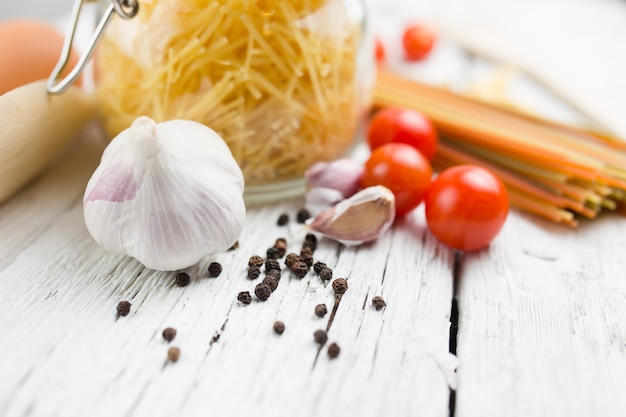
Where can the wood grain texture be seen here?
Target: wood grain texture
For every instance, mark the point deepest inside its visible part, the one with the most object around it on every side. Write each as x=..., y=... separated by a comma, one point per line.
x=542, y=312
x=63, y=350
x=542, y=322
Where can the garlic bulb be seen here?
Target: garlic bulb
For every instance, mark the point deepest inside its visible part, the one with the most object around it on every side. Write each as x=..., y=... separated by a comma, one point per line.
x=167, y=194
x=361, y=218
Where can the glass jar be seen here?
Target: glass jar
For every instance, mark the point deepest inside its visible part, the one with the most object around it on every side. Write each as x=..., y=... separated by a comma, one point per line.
x=285, y=82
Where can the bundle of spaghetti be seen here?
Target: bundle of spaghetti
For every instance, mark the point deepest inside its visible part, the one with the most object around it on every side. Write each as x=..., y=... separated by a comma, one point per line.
x=555, y=171
x=269, y=76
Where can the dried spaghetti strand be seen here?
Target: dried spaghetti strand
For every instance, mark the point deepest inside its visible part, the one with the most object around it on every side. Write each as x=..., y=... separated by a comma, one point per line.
x=550, y=169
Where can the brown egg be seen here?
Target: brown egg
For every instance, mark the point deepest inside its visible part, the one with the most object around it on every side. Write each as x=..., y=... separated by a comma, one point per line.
x=29, y=51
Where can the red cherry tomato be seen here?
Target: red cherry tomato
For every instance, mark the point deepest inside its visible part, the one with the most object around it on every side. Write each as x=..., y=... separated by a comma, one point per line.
x=418, y=41
x=379, y=50
x=466, y=207
x=402, y=169
x=394, y=124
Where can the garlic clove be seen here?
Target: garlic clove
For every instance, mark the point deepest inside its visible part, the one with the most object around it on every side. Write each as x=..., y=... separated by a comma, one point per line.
x=319, y=199
x=167, y=194
x=361, y=218
x=343, y=175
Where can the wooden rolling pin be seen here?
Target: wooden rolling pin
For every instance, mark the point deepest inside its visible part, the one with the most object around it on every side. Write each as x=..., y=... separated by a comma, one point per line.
x=34, y=128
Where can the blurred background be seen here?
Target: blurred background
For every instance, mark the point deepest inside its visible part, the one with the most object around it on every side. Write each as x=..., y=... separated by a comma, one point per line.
x=572, y=49
x=34, y=8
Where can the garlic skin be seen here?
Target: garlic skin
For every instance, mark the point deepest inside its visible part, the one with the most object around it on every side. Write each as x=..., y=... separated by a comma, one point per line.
x=343, y=175
x=361, y=218
x=167, y=194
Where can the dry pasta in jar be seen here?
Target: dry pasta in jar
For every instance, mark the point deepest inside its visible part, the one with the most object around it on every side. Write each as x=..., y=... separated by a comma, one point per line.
x=284, y=82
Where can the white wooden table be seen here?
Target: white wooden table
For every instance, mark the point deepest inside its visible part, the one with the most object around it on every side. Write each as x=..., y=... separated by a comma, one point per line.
x=536, y=323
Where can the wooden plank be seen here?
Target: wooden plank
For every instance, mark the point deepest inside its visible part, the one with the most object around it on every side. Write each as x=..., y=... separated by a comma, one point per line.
x=64, y=352
x=56, y=190
x=541, y=324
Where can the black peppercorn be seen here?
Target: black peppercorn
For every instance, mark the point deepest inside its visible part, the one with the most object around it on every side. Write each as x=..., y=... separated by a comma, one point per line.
x=306, y=251
x=274, y=273
x=169, y=334
x=291, y=260
x=283, y=219
x=254, y=272
x=310, y=241
x=262, y=291
x=320, y=337
x=215, y=269
x=300, y=269
x=321, y=310
x=173, y=354
x=378, y=302
x=271, y=281
x=272, y=253
x=303, y=215
x=333, y=350
x=244, y=297
x=123, y=308
x=326, y=274
x=318, y=266
x=234, y=246
x=256, y=260
x=307, y=259
x=272, y=264
x=182, y=279
x=279, y=327
x=281, y=246
x=340, y=286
